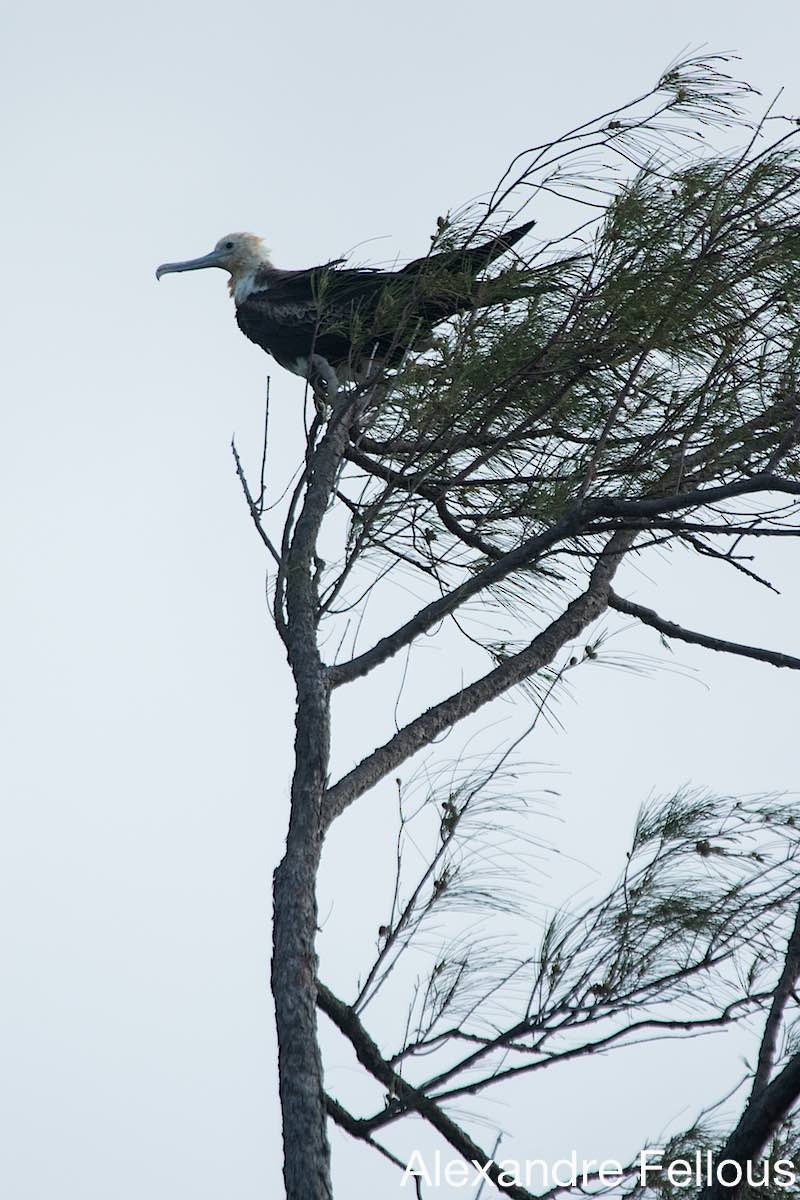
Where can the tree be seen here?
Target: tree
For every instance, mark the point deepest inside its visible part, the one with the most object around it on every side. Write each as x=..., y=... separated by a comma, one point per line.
x=627, y=387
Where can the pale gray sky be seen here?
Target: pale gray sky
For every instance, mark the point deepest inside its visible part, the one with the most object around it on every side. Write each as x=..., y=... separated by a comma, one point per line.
x=146, y=709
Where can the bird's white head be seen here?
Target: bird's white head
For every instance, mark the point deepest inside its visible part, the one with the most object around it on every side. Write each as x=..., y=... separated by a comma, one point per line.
x=240, y=254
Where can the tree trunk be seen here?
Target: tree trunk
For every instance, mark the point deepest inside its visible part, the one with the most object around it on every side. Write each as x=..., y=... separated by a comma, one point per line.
x=294, y=961
x=306, y=1152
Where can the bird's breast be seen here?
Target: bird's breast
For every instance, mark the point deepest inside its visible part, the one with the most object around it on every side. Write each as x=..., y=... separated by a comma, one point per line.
x=244, y=285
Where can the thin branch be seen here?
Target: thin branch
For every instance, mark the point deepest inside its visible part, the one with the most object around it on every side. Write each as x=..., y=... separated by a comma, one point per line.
x=255, y=513
x=576, y=519
x=432, y=613
x=617, y=1039
x=352, y=1125
x=669, y=628
x=263, y=477
x=513, y=670
x=725, y=556
x=370, y=1057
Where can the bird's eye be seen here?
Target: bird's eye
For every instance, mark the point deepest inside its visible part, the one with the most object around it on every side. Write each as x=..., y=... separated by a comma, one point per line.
x=229, y=245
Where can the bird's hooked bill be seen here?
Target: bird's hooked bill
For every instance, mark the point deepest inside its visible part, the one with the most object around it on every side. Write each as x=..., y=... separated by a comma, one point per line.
x=213, y=259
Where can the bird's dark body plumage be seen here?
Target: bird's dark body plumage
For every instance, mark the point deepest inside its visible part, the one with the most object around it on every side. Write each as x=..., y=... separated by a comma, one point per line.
x=349, y=316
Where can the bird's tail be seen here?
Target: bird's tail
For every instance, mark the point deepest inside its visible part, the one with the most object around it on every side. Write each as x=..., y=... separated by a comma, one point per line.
x=481, y=256
x=468, y=260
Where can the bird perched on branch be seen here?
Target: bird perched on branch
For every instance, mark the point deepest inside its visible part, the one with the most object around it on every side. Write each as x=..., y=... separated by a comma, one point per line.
x=331, y=324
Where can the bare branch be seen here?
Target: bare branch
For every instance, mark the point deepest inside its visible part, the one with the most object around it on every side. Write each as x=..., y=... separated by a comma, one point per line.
x=411, y=1099
x=354, y=1127
x=576, y=617
x=432, y=613
x=671, y=630
x=577, y=519
x=255, y=512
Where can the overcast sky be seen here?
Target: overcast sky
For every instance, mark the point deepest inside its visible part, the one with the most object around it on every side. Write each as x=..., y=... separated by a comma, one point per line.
x=146, y=707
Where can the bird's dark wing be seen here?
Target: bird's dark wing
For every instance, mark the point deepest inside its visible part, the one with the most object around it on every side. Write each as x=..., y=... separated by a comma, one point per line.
x=319, y=287
x=320, y=310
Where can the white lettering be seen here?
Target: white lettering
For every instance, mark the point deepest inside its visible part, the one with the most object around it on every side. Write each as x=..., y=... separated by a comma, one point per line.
x=680, y=1167
x=587, y=1166
x=418, y=1171
x=456, y=1173
x=645, y=1165
x=509, y=1172
x=788, y=1176
x=729, y=1162
x=750, y=1172
x=481, y=1172
x=435, y=1171
x=536, y=1164
x=572, y=1164
x=609, y=1171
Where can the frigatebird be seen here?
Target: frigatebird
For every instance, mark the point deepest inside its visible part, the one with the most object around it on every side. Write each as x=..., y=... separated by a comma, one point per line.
x=332, y=324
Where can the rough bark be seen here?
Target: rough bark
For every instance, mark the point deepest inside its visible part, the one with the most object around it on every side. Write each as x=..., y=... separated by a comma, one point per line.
x=786, y=985
x=294, y=961
x=760, y=1120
